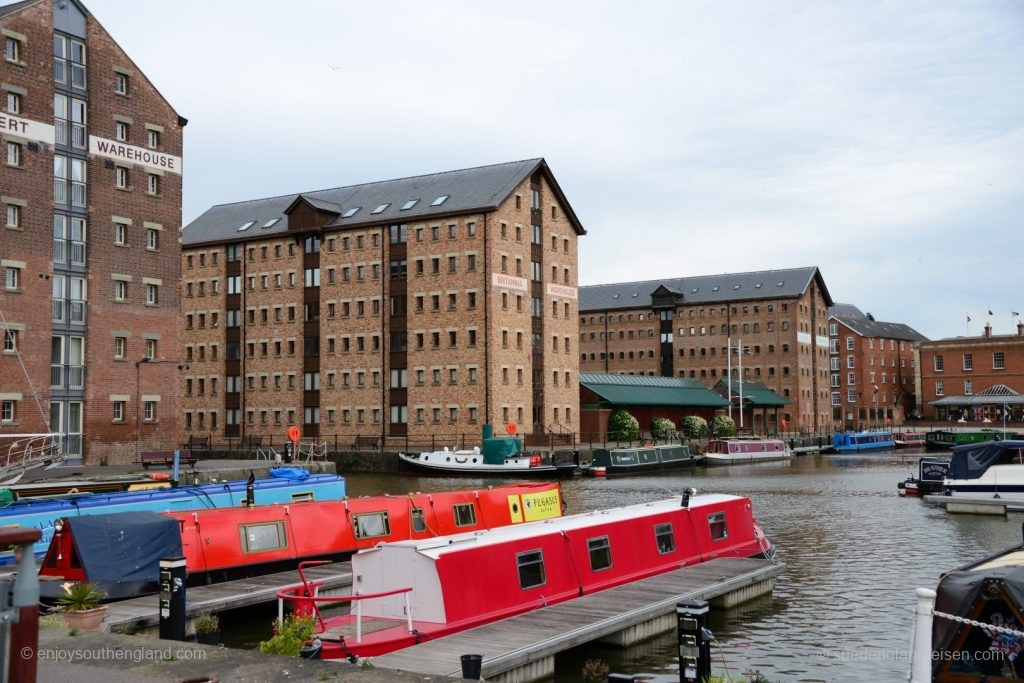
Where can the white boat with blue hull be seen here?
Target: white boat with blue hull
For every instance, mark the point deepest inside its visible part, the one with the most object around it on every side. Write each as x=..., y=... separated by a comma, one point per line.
x=853, y=442
x=994, y=469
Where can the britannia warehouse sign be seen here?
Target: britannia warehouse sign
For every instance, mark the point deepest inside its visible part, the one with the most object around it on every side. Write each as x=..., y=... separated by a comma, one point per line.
x=138, y=156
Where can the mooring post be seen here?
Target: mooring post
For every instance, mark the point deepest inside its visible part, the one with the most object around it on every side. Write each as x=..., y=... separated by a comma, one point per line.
x=694, y=646
x=921, y=638
x=172, y=598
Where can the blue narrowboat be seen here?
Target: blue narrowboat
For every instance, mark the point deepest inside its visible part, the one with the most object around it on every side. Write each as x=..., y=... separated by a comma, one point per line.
x=41, y=514
x=862, y=441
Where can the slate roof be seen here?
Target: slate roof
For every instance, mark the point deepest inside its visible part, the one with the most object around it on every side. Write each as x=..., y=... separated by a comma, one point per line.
x=995, y=394
x=866, y=327
x=14, y=7
x=846, y=311
x=468, y=190
x=643, y=390
x=699, y=289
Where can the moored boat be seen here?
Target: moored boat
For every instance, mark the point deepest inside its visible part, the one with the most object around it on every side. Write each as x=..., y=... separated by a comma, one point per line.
x=412, y=591
x=852, y=442
x=499, y=456
x=641, y=459
x=970, y=629
x=993, y=469
x=41, y=513
x=120, y=552
x=909, y=439
x=951, y=438
x=931, y=472
x=743, y=451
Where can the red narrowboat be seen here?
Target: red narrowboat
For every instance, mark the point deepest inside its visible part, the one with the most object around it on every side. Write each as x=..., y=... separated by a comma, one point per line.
x=410, y=591
x=120, y=552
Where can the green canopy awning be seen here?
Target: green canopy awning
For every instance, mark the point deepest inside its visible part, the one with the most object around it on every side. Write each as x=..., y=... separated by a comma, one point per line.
x=641, y=390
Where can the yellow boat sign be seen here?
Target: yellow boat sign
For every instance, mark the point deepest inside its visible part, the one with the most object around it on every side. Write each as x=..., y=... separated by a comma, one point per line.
x=530, y=507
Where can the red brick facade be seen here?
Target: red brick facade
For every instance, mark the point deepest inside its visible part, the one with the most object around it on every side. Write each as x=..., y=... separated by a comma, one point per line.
x=966, y=366
x=460, y=304
x=89, y=390
x=785, y=343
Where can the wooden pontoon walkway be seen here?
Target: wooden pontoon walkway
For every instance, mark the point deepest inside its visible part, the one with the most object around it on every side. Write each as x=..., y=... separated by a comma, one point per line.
x=139, y=614
x=520, y=641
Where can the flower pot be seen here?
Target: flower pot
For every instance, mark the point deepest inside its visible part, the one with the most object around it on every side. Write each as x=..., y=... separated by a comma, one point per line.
x=208, y=638
x=87, y=620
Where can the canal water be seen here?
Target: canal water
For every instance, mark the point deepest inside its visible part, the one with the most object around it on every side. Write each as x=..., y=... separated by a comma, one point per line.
x=854, y=553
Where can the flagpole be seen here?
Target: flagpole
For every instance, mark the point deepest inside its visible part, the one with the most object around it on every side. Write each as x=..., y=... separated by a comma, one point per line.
x=728, y=355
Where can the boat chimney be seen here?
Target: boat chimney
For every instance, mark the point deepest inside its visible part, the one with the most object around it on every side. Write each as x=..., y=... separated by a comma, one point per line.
x=988, y=329
x=488, y=430
x=250, y=495
x=1020, y=329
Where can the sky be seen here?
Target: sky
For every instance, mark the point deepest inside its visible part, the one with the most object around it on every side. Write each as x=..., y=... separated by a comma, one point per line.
x=882, y=141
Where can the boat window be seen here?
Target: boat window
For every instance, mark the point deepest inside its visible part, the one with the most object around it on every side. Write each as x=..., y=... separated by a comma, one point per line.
x=418, y=525
x=262, y=537
x=531, y=569
x=465, y=515
x=372, y=524
x=665, y=537
x=302, y=496
x=716, y=523
x=600, y=553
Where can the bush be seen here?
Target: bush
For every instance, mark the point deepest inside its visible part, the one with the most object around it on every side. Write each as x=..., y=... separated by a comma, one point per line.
x=662, y=428
x=207, y=623
x=289, y=637
x=723, y=425
x=622, y=426
x=693, y=426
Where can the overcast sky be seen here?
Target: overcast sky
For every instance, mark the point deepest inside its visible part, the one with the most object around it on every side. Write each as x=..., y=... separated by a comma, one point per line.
x=880, y=141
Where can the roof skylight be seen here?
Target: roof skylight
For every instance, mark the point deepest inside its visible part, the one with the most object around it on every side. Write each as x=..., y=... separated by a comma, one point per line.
x=271, y=223
x=409, y=204
x=351, y=212
x=247, y=226
x=440, y=200
x=381, y=208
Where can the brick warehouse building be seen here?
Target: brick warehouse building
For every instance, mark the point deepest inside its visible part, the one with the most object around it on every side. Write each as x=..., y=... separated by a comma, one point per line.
x=872, y=369
x=685, y=327
x=972, y=378
x=91, y=194
x=411, y=307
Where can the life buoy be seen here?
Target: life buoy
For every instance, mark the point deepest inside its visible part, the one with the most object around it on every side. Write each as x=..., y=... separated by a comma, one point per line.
x=159, y=476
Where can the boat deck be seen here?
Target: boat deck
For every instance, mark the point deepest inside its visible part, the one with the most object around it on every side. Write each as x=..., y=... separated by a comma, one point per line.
x=140, y=614
x=525, y=640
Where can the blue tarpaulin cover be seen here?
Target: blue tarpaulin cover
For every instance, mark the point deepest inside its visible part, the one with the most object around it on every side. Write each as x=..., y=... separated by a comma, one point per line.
x=289, y=473
x=972, y=460
x=124, y=547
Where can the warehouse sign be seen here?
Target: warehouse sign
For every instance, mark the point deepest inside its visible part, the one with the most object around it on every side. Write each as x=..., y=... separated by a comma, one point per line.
x=27, y=128
x=138, y=156
x=562, y=291
x=509, y=282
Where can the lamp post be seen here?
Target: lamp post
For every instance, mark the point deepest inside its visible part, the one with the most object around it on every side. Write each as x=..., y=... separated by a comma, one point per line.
x=874, y=400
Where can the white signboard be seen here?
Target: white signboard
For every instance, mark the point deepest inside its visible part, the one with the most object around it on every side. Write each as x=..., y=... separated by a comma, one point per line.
x=803, y=337
x=138, y=156
x=562, y=291
x=26, y=128
x=822, y=341
x=509, y=282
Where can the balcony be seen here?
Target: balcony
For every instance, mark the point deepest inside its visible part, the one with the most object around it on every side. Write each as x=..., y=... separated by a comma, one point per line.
x=65, y=249
x=58, y=310
x=67, y=377
x=78, y=197
x=60, y=251
x=76, y=312
x=60, y=190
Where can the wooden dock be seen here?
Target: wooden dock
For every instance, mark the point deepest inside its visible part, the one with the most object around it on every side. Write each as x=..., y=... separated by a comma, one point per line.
x=141, y=615
x=522, y=648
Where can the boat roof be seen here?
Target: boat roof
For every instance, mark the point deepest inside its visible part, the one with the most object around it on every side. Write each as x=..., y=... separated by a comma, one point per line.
x=436, y=547
x=970, y=461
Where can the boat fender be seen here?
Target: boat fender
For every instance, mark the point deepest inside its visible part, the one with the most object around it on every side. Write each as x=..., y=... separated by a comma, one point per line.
x=159, y=476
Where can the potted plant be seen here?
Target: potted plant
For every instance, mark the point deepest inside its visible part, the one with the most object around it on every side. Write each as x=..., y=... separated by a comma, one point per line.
x=81, y=606
x=208, y=629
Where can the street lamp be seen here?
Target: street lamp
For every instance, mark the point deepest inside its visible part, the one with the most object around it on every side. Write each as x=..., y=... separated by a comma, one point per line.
x=874, y=399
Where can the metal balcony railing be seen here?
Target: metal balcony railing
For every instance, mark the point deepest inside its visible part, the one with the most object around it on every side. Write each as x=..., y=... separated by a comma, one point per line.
x=78, y=194
x=60, y=131
x=78, y=137
x=60, y=190
x=58, y=310
x=75, y=376
x=76, y=312
x=78, y=253
x=56, y=376
x=59, y=251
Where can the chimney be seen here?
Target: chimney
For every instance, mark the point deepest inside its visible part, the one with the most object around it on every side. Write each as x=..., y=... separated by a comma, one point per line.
x=988, y=329
x=1020, y=329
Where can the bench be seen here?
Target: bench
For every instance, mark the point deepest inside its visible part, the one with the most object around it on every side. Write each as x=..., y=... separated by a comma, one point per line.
x=366, y=441
x=166, y=458
x=197, y=443
x=250, y=443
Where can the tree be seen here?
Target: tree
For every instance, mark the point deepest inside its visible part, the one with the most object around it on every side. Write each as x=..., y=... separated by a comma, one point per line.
x=662, y=428
x=693, y=426
x=723, y=425
x=622, y=426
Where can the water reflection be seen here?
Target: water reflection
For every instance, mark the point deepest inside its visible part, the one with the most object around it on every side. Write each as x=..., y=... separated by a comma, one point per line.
x=854, y=551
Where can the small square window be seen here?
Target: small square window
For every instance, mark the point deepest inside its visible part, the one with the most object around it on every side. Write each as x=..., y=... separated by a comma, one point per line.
x=121, y=83
x=152, y=139
x=153, y=183
x=120, y=131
